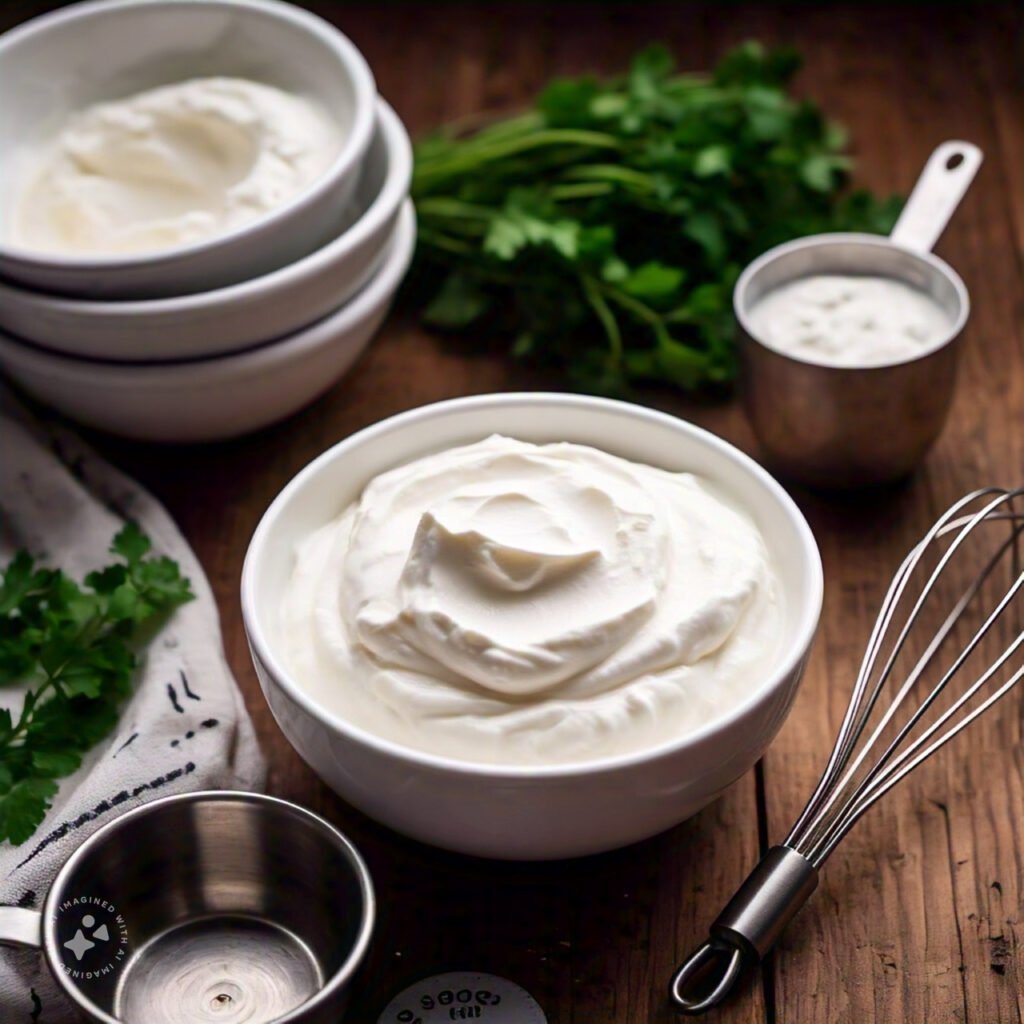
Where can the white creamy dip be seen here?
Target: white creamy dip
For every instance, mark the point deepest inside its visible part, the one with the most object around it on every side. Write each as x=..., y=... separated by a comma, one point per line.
x=849, y=321
x=523, y=604
x=171, y=166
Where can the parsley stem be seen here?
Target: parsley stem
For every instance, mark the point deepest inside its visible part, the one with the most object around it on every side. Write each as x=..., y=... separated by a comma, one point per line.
x=430, y=171
x=489, y=126
x=443, y=206
x=27, y=710
x=440, y=241
x=682, y=315
x=613, y=173
x=607, y=318
x=636, y=307
x=583, y=190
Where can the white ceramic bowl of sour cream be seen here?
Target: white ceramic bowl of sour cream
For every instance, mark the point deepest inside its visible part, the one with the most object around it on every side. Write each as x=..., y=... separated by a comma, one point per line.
x=539, y=811
x=239, y=316
x=94, y=52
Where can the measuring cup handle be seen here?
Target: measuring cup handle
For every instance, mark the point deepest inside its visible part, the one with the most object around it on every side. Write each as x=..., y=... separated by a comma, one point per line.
x=943, y=182
x=20, y=927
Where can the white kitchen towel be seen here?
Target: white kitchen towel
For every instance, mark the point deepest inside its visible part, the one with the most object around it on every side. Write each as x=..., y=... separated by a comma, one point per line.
x=185, y=728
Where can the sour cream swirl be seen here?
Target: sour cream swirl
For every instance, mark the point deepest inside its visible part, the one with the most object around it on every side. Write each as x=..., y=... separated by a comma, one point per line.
x=531, y=604
x=171, y=166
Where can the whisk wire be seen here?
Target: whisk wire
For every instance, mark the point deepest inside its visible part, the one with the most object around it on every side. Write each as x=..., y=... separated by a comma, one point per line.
x=859, y=709
x=885, y=775
x=837, y=802
x=882, y=765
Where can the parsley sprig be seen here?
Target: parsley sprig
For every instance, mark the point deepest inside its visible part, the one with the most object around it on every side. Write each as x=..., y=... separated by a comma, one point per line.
x=73, y=646
x=602, y=232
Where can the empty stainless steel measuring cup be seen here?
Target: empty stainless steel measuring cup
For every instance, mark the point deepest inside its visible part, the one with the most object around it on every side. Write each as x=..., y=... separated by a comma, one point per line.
x=206, y=906
x=842, y=426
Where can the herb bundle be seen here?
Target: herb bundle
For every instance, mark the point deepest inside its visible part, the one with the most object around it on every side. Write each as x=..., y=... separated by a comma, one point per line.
x=603, y=231
x=72, y=646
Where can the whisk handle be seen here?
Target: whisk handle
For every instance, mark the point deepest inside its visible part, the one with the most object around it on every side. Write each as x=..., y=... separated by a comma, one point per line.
x=765, y=903
x=745, y=930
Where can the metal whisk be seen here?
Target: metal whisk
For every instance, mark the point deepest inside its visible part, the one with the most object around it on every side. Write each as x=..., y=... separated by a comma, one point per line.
x=951, y=578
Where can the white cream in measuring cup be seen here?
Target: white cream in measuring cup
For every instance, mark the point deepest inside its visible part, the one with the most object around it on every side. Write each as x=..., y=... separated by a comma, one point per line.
x=848, y=320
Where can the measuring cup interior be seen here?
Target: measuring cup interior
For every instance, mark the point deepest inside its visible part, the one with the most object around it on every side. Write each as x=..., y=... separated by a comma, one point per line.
x=855, y=255
x=231, y=910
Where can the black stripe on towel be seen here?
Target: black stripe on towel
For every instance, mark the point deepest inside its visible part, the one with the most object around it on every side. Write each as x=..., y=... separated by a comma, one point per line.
x=105, y=806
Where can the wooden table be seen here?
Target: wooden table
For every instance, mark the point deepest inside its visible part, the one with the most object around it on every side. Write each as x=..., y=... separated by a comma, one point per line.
x=918, y=915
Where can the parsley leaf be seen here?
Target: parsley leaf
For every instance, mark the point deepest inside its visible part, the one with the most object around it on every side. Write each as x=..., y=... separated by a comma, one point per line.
x=72, y=647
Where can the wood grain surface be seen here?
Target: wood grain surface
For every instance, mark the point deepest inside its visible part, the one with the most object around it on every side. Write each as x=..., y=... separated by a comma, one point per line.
x=918, y=915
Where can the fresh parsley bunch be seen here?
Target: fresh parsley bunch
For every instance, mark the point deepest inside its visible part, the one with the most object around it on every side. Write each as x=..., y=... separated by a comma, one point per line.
x=603, y=231
x=73, y=645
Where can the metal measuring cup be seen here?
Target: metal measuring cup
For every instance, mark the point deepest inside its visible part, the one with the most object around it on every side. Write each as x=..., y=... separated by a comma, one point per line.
x=206, y=906
x=842, y=426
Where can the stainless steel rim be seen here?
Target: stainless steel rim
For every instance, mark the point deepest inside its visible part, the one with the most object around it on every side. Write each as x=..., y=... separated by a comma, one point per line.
x=339, y=979
x=740, y=305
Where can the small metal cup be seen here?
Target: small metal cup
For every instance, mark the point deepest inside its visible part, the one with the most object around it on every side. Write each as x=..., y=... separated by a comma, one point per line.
x=216, y=906
x=840, y=426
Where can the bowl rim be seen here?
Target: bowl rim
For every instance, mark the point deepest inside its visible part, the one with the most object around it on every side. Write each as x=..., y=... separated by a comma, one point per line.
x=741, y=307
x=414, y=419
x=106, y=373
x=345, y=162
x=338, y=980
x=394, y=189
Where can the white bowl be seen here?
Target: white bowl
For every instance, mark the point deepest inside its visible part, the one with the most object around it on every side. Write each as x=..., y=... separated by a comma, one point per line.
x=240, y=315
x=91, y=52
x=512, y=811
x=207, y=399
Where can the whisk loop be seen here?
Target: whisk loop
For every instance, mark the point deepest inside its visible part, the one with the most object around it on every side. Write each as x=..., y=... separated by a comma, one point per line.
x=869, y=759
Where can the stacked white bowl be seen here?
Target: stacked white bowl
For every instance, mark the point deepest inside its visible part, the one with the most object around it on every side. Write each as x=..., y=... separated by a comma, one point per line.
x=218, y=337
